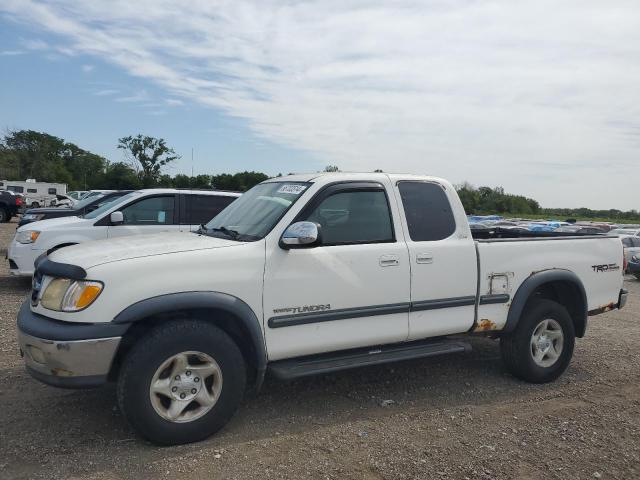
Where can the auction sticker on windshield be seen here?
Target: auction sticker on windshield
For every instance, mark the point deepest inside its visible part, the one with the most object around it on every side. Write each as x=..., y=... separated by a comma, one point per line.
x=292, y=188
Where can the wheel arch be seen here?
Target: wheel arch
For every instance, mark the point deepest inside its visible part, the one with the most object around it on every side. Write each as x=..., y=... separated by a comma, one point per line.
x=228, y=312
x=562, y=286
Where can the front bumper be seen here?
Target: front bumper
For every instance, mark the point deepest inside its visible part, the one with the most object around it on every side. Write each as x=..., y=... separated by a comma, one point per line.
x=65, y=354
x=22, y=256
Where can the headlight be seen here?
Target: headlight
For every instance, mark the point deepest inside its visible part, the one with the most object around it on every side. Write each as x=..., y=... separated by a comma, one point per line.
x=65, y=295
x=33, y=216
x=27, y=236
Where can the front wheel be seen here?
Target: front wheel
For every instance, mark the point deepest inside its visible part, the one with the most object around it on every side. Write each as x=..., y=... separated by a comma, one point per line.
x=182, y=382
x=4, y=216
x=541, y=347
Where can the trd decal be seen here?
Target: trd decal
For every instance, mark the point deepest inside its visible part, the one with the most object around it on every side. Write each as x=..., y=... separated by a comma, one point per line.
x=612, y=267
x=305, y=309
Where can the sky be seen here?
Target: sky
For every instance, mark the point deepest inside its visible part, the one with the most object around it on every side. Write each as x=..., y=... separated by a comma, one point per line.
x=539, y=97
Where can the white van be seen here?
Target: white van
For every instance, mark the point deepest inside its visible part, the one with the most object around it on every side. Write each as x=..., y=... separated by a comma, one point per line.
x=143, y=211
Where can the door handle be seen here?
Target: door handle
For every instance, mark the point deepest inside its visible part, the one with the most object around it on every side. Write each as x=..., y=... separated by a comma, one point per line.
x=424, y=258
x=389, y=260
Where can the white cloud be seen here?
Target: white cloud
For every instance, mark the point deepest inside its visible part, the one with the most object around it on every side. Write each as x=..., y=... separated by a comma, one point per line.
x=139, y=96
x=105, y=92
x=88, y=68
x=540, y=97
x=173, y=102
x=11, y=53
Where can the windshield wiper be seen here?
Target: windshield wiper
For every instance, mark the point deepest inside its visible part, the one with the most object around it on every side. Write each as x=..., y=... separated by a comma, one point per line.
x=227, y=231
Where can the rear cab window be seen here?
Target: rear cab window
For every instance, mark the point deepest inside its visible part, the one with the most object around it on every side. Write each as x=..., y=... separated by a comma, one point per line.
x=427, y=210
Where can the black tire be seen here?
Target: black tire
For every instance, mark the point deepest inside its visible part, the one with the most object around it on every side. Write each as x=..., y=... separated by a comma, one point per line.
x=4, y=216
x=35, y=205
x=516, y=347
x=160, y=344
x=637, y=275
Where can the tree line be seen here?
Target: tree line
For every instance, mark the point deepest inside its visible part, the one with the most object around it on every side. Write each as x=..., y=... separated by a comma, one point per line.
x=30, y=154
x=47, y=158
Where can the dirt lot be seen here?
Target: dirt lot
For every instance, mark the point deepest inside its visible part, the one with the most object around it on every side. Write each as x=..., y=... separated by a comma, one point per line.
x=459, y=417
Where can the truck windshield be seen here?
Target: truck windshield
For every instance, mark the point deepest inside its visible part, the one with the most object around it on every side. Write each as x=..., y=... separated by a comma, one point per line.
x=252, y=216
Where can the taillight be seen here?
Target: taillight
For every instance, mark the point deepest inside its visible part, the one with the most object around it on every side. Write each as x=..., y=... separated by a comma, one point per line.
x=625, y=263
x=18, y=201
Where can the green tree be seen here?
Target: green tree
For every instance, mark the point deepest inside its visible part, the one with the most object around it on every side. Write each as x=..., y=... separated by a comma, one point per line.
x=120, y=176
x=149, y=154
x=331, y=168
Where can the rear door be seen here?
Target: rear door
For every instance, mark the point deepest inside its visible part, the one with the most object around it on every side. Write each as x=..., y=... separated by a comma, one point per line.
x=152, y=214
x=443, y=261
x=199, y=209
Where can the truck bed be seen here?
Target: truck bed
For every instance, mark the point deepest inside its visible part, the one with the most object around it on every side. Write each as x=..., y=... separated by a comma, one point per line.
x=523, y=234
x=506, y=259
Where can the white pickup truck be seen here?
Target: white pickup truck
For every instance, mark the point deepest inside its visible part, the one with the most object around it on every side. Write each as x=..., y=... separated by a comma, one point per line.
x=303, y=275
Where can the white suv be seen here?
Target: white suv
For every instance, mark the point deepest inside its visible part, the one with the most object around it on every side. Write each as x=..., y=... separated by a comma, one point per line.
x=142, y=211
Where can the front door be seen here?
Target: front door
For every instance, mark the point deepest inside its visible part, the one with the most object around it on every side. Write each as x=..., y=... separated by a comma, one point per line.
x=148, y=215
x=351, y=290
x=443, y=261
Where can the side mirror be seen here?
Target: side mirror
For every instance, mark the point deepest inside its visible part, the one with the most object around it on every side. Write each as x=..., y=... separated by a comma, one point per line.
x=300, y=235
x=116, y=218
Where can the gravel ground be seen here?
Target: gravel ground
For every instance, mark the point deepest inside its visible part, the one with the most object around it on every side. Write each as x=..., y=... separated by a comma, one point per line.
x=457, y=417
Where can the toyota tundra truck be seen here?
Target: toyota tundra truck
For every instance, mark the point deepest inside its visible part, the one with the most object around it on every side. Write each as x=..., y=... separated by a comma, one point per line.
x=304, y=275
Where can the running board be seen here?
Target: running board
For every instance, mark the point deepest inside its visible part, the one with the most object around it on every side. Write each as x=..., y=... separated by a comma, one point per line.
x=332, y=362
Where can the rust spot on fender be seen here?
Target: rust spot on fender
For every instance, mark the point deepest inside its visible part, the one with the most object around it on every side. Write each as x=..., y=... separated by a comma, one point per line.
x=485, y=325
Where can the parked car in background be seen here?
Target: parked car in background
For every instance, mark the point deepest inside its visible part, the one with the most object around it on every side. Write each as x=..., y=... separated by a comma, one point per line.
x=35, y=194
x=142, y=211
x=633, y=267
x=579, y=230
x=81, y=208
x=626, y=231
x=62, y=201
x=631, y=245
x=10, y=205
x=77, y=194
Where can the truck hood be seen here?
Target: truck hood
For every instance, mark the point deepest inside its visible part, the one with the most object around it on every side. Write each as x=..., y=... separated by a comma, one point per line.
x=91, y=254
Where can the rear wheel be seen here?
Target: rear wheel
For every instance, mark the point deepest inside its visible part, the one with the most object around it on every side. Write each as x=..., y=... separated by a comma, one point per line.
x=541, y=347
x=182, y=382
x=35, y=205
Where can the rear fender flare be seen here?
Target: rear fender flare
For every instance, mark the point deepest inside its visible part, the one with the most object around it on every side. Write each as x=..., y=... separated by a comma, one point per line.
x=538, y=279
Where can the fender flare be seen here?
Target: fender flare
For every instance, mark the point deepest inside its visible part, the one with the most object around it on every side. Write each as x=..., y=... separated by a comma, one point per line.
x=532, y=283
x=174, y=302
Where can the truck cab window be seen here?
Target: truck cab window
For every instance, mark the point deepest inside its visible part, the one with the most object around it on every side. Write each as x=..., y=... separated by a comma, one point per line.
x=354, y=217
x=427, y=210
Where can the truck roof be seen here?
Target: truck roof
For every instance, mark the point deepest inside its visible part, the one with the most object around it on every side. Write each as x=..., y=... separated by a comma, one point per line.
x=328, y=176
